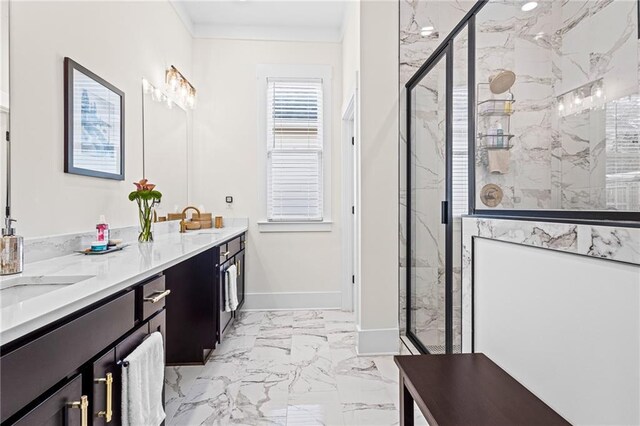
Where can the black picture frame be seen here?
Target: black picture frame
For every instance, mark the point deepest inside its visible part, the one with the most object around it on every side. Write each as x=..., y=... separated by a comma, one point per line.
x=96, y=123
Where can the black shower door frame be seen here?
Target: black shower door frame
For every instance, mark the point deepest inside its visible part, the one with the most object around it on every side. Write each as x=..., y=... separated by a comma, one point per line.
x=445, y=48
x=446, y=219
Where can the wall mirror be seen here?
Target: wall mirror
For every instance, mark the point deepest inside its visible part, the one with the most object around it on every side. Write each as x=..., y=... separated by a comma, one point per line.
x=557, y=106
x=166, y=148
x=4, y=93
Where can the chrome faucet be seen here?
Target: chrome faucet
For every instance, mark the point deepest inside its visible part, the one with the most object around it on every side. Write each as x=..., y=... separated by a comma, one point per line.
x=183, y=224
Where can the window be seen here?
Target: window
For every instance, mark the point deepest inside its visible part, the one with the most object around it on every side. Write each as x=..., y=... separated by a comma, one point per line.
x=622, y=128
x=294, y=149
x=460, y=152
x=294, y=138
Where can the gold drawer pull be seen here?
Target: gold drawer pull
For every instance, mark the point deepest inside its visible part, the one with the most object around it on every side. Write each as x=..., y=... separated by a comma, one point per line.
x=159, y=297
x=226, y=253
x=83, y=405
x=108, y=413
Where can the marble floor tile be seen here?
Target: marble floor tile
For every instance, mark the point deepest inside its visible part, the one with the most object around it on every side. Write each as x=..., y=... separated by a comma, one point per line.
x=311, y=369
x=370, y=414
x=177, y=382
x=315, y=408
x=287, y=368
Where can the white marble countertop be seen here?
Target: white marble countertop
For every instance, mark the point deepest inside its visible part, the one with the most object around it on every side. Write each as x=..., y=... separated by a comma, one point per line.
x=111, y=273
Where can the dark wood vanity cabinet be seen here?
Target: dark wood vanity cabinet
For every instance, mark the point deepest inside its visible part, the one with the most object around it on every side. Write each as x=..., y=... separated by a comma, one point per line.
x=65, y=406
x=71, y=369
x=196, y=316
x=191, y=319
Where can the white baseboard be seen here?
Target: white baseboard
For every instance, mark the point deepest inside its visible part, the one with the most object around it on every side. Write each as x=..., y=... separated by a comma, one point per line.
x=292, y=301
x=381, y=341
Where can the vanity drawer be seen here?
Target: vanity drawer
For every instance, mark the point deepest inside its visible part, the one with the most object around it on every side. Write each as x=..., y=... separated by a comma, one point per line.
x=30, y=370
x=224, y=253
x=234, y=246
x=152, y=296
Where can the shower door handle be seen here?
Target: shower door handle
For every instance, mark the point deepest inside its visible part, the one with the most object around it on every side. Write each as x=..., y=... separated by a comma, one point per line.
x=444, y=212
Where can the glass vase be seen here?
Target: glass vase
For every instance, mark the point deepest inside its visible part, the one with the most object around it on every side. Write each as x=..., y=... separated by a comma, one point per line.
x=146, y=224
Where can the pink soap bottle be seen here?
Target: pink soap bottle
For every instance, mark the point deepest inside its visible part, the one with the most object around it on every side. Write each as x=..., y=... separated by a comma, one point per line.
x=102, y=230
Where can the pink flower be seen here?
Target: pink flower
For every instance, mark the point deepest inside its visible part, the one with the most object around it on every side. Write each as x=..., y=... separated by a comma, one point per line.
x=143, y=185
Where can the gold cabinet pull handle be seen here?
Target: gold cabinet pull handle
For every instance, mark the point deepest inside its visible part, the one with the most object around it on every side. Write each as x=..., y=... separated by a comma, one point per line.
x=108, y=413
x=83, y=405
x=226, y=253
x=238, y=267
x=157, y=298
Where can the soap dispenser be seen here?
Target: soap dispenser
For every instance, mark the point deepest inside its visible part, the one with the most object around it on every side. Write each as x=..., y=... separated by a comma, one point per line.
x=11, y=250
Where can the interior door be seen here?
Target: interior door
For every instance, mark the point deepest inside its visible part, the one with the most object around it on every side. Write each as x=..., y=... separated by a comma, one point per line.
x=428, y=207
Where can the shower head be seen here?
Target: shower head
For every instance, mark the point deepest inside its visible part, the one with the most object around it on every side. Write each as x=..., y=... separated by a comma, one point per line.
x=501, y=82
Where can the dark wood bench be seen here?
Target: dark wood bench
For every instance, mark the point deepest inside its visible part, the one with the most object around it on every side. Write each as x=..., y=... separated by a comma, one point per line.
x=467, y=389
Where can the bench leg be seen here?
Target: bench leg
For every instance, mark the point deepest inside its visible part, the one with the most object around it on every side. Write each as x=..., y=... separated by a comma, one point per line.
x=406, y=405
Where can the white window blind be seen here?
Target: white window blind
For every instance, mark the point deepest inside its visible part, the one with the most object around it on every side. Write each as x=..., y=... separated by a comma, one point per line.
x=460, y=145
x=622, y=127
x=294, y=149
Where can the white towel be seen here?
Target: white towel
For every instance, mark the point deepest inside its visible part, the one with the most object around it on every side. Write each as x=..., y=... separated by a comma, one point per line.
x=227, y=292
x=499, y=161
x=232, y=279
x=142, y=382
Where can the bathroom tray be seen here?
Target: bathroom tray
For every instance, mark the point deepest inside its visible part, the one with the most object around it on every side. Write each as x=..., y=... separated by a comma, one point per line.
x=108, y=250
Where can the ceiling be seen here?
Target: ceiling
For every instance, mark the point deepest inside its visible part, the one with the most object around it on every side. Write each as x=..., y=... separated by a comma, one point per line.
x=301, y=20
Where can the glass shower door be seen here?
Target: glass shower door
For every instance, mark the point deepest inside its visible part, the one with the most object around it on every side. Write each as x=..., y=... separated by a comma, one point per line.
x=428, y=316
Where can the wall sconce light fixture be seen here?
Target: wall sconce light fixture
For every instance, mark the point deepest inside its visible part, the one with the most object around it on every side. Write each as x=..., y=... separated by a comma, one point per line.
x=178, y=84
x=587, y=96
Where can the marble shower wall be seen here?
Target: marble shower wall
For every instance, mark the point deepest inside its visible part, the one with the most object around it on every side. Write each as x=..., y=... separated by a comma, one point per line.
x=588, y=51
x=509, y=39
x=556, y=162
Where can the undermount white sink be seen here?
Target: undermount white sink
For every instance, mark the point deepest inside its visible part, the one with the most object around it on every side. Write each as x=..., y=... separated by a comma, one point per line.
x=208, y=232
x=19, y=289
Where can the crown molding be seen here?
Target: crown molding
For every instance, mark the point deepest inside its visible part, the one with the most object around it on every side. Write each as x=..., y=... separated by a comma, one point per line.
x=182, y=13
x=268, y=33
x=256, y=32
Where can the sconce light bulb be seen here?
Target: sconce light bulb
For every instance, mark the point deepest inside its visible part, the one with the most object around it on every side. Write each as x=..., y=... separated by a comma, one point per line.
x=577, y=100
x=561, y=106
x=426, y=31
x=191, y=100
x=599, y=92
x=146, y=86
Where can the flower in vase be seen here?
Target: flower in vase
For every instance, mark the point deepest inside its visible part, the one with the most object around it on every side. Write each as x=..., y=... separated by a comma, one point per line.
x=147, y=197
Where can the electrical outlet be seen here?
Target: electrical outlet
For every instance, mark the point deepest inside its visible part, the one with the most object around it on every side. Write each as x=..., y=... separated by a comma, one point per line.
x=229, y=199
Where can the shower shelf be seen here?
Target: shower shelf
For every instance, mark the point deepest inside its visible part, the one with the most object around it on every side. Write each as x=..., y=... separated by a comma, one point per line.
x=508, y=147
x=495, y=107
x=495, y=135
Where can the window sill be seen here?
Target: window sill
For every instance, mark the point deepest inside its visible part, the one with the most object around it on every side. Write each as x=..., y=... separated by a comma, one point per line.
x=266, y=226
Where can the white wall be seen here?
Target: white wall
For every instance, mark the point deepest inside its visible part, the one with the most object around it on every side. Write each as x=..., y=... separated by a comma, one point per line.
x=130, y=40
x=566, y=326
x=378, y=131
x=350, y=49
x=226, y=162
